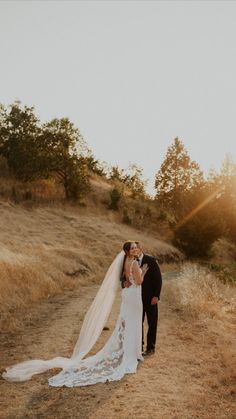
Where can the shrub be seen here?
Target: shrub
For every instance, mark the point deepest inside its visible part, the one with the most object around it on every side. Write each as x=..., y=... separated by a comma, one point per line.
x=126, y=219
x=163, y=215
x=196, y=234
x=4, y=170
x=115, y=197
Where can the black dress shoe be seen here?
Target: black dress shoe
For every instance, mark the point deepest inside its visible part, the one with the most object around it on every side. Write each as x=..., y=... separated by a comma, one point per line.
x=148, y=352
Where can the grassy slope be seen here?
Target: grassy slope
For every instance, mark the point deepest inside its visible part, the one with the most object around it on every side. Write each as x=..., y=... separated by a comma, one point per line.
x=45, y=250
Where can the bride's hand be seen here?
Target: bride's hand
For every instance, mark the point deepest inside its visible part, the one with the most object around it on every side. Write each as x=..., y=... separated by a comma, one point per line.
x=144, y=269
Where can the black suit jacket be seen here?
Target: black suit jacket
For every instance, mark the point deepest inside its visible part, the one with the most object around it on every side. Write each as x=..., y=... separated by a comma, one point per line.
x=152, y=282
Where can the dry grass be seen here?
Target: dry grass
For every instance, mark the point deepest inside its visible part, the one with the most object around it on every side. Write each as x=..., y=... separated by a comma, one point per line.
x=228, y=358
x=66, y=251
x=38, y=191
x=223, y=251
x=44, y=251
x=201, y=299
x=95, y=202
x=189, y=377
x=52, y=260
x=198, y=292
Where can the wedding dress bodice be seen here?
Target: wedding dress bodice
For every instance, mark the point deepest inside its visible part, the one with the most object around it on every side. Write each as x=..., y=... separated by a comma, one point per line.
x=131, y=277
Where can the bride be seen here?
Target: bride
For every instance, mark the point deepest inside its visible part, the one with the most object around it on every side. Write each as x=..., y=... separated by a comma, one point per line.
x=121, y=353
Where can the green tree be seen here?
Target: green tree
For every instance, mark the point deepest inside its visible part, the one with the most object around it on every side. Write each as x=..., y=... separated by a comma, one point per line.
x=56, y=149
x=94, y=165
x=177, y=175
x=19, y=131
x=74, y=176
x=133, y=179
x=116, y=174
x=64, y=156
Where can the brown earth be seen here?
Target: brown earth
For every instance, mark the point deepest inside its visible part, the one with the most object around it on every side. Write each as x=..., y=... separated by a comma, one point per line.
x=186, y=378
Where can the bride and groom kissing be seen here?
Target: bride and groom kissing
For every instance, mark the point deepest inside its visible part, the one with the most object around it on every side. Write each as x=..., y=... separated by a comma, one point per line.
x=151, y=289
x=141, y=287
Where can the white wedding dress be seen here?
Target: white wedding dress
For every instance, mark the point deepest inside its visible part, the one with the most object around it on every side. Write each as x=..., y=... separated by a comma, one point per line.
x=120, y=354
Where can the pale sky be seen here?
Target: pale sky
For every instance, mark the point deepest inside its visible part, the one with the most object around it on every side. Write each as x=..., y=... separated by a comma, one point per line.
x=132, y=75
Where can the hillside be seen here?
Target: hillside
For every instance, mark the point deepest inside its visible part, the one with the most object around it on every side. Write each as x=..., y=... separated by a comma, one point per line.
x=52, y=260
x=45, y=250
x=140, y=213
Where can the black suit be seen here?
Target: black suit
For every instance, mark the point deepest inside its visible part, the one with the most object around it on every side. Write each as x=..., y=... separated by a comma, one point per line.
x=151, y=287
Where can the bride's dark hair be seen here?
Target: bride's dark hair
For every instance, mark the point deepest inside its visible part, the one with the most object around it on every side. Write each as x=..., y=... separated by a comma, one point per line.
x=126, y=248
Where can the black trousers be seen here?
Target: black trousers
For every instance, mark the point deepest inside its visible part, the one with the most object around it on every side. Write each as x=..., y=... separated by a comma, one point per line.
x=152, y=317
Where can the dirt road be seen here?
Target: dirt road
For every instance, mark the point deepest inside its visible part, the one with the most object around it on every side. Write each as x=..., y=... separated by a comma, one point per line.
x=183, y=380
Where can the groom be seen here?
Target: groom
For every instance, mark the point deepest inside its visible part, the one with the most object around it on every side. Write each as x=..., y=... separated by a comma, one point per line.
x=151, y=289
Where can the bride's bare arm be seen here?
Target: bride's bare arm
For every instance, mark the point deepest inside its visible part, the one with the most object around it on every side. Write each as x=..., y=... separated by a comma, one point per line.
x=138, y=274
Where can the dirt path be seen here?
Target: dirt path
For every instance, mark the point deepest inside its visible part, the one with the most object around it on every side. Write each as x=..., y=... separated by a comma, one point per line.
x=181, y=381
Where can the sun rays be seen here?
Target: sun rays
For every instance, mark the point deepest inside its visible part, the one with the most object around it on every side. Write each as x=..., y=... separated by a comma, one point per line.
x=198, y=208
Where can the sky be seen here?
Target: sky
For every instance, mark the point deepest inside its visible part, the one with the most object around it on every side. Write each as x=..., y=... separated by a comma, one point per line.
x=131, y=75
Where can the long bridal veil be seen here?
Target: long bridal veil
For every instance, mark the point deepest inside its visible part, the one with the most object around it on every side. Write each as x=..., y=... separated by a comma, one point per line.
x=92, y=326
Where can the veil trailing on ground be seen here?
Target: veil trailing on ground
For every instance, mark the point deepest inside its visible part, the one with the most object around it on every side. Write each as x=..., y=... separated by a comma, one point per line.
x=92, y=326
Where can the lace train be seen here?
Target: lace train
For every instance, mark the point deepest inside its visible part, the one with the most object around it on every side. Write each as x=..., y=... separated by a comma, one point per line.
x=120, y=354
x=106, y=365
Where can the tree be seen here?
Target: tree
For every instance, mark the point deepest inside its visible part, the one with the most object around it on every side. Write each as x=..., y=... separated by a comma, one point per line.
x=19, y=130
x=116, y=174
x=62, y=143
x=202, y=224
x=133, y=179
x=56, y=149
x=75, y=177
x=94, y=165
x=177, y=175
x=224, y=184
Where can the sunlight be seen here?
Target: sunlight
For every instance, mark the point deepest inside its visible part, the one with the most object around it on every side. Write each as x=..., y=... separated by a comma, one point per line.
x=216, y=193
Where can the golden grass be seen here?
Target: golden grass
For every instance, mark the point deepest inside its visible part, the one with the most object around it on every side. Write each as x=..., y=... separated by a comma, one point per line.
x=201, y=299
x=38, y=191
x=44, y=251
x=223, y=251
x=197, y=291
x=96, y=202
x=190, y=376
x=21, y=285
